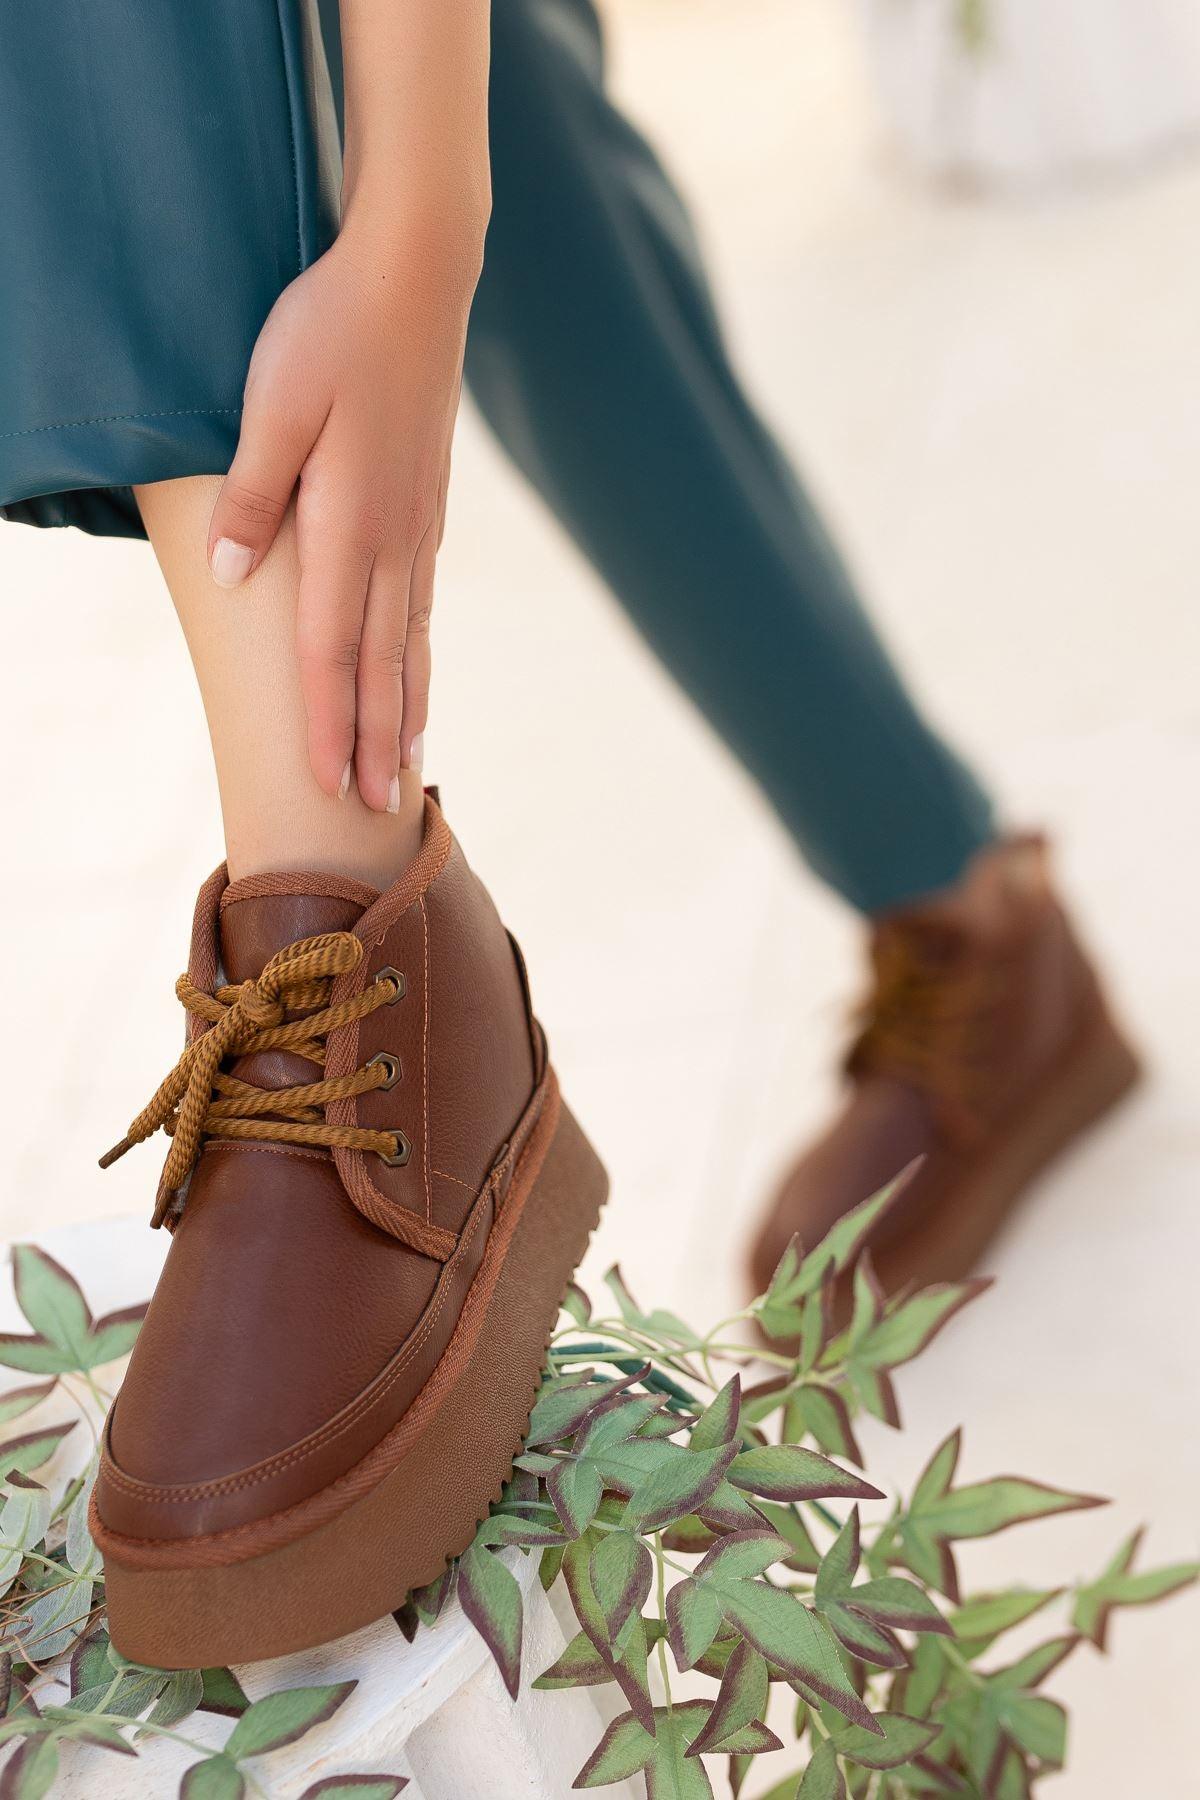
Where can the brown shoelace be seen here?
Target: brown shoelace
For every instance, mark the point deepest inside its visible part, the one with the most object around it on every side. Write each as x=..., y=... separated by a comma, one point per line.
x=927, y=1022
x=287, y=1008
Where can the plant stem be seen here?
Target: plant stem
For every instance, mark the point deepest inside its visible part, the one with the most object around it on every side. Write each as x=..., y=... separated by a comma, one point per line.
x=661, y=1590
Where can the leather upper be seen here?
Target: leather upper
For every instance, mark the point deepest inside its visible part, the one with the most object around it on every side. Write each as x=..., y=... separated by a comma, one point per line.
x=1003, y=989
x=291, y=1327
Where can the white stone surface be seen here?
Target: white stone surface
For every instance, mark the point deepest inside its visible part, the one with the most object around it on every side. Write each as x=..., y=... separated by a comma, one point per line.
x=1001, y=406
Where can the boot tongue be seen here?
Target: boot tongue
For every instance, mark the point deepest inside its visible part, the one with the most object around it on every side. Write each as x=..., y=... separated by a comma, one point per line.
x=255, y=924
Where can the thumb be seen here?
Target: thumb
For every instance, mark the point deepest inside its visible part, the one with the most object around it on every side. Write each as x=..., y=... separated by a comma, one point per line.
x=254, y=495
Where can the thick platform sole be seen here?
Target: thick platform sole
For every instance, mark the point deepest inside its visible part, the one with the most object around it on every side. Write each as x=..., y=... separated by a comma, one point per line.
x=1097, y=1070
x=210, y=1602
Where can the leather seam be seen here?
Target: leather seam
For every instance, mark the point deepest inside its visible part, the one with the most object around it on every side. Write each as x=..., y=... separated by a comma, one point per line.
x=296, y=1150
x=327, y=1433
x=232, y=1484
x=445, y=1175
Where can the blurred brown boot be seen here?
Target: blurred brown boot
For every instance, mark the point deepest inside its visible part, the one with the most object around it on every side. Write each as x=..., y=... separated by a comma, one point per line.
x=986, y=1047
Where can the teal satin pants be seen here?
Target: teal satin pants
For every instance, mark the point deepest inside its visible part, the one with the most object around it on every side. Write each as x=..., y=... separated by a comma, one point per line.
x=168, y=169
x=597, y=357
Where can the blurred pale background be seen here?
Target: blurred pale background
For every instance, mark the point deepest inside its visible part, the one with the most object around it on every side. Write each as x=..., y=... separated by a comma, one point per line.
x=999, y=401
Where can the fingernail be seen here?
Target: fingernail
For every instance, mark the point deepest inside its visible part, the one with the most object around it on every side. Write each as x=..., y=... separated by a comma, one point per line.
x=393, y=799
x=344, y=783
x=416, y=754
x=231, y=563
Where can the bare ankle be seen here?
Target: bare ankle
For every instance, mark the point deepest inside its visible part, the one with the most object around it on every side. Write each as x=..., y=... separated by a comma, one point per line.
x=309, y=831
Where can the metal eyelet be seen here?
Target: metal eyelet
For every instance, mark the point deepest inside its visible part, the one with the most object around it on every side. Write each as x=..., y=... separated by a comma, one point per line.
x=391, y=1066
x=397, y=979
x=402, y=1154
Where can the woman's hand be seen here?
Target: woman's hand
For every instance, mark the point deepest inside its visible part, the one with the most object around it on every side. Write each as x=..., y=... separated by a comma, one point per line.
x=351, y=395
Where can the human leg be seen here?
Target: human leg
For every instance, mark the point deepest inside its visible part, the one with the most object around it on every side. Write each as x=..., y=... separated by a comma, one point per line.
x=243, y=648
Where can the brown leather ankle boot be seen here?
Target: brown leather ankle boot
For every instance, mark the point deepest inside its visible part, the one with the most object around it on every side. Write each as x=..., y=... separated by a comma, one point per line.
x=377, y=1200
x=986, y=1047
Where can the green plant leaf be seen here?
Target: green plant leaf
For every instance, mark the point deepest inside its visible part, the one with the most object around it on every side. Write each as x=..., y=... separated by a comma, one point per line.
x=51, y=1299
x=89, y=1662
x=820, y=1412
x=432, y=1600
x=681, y=1483
x=490, y=1595
x=563, y=1407
x=693, y=1620
x=54, y=1619
x=629, y=1668
x=23, y=1399
x=899, y=1604
x=798, y=1276
x=30, y=1771
x=787, y=1522
x=104, y=1733
x=789, y=1472
x=35, y=1355
x=223, y=1693
x=775, y=1622
x=839, y=1565
x=576, y=1303
x=1030, y=1670
x=510, y=1530
x=1038, y=1726
x=356, y=1787
x=669, y=1329
x=906, y=1329
x=177, y=1701
x=33, y=1448
x=281, y=1718
x=582, y=1665
x=1118, y=1585
x=862, y=1637
x=982, y=1618
x=136, y=1692
x=744, y=1554
x=902, y=1739
x=216, y=1778
x=718, y=1423
x=65, y=1336
x=622, y=1752
x=628, y=1307
x=671, y=1774
x=822, y=1779
x=986, y=1507
x=622, y=1569
x=940, y=1514
x=82, y=1553
x=24, y=1522
x=741, y=1701
x=576, y=1489
x=114, y=1335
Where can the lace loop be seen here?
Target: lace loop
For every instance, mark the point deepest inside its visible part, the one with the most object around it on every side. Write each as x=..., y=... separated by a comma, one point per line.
x=928, y=1022
x=287, y=1008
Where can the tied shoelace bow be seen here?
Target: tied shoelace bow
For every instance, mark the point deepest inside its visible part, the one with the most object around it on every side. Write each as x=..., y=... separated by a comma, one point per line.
x=928, y=1022
x=198, y=1099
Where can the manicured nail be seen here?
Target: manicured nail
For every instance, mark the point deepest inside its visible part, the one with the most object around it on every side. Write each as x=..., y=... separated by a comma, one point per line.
x=344, y=783
x=393, y=799
x=416, y=754
x=231, y=563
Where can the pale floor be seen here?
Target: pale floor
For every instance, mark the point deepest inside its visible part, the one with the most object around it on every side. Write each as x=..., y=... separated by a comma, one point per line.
x=1001, y=408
